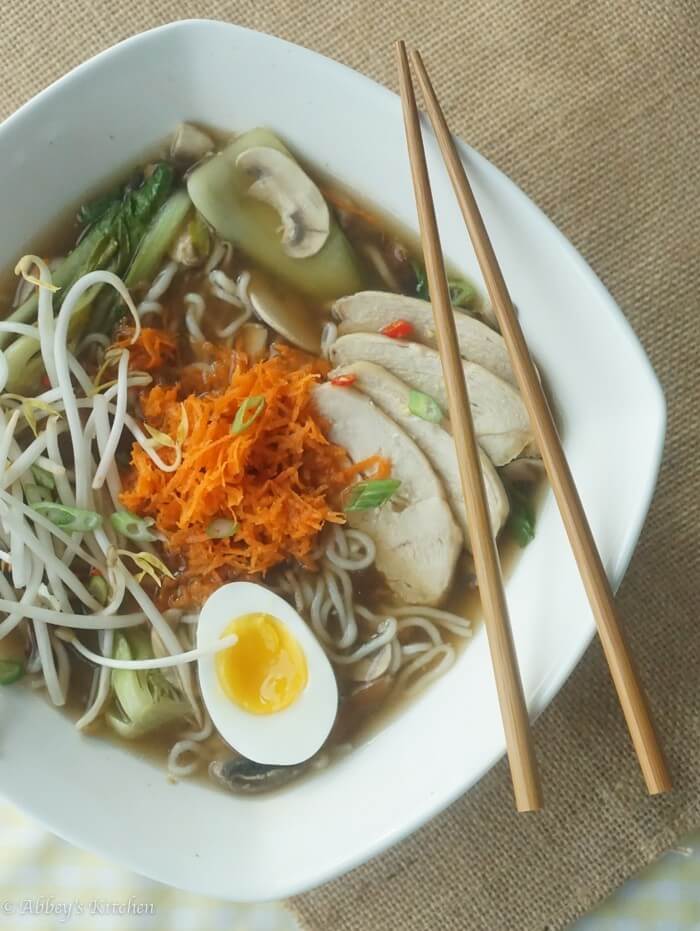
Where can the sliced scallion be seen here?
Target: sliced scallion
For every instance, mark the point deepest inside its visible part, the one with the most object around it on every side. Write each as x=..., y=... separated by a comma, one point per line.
x=425, y=407
x=248, y=413
x=10, y=671
x=98, y=588
x=221, y=528
x=36, y=493
x=43, y=477
x=462, y=293
x=69, y=518
x=133, y=527
x=521, y=519
x=371, y=494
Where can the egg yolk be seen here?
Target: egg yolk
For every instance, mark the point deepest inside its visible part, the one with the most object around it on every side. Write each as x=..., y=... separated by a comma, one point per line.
x=265, y=671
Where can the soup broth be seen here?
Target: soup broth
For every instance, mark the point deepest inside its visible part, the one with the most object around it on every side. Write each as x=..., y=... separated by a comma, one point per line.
x=239, y=411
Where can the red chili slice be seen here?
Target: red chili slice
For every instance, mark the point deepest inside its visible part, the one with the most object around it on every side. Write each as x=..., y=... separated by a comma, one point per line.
x=344, y=381
x=398, y=329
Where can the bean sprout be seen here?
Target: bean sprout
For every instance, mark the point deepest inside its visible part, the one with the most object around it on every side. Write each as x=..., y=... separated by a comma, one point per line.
x=329, y=334
x=158, y=662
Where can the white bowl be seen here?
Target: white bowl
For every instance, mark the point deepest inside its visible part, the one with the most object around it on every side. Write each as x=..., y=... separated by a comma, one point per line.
x=103, y=116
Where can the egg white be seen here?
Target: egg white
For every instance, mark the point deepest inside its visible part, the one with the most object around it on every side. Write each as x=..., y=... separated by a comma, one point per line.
x=284, y=737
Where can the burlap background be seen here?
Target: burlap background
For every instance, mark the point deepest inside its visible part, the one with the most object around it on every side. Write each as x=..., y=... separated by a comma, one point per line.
x=593, y=108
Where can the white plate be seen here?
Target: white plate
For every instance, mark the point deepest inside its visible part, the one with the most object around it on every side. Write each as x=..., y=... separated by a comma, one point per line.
x=103, y=116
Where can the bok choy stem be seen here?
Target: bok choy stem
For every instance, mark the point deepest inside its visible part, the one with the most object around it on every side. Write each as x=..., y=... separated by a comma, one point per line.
x=112, y=243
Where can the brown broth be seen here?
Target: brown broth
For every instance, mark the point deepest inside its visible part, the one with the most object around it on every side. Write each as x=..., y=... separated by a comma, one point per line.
x=379, y=230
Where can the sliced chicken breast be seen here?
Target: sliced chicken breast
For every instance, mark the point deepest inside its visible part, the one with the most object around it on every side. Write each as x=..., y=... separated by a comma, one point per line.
x=392, y=395
x=371, y=311
x=499, y=415
x=417, y=538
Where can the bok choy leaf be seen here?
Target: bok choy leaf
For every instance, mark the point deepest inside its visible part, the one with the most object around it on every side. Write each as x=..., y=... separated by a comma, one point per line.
x=144, y=700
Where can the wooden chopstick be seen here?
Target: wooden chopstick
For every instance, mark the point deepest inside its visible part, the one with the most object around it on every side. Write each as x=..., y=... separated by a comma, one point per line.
x=595, y=580
x=516, y=724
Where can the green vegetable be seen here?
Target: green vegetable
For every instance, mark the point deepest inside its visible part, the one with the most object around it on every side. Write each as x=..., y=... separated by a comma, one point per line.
x=158, y=240
x=35, y=494
x=98, y=588
x=421, y=282
x=521, y=519
x=248, y=413
x=69, y=518
x=371, y=494
x=133, y=527
x=43, y=477
x=109, y=243
x=10, y=671
x=91, y=212
x=144, y=700
x=462, y=292
x=199, y=234
x=221, y=528
x=218, y=189
x=425, y=407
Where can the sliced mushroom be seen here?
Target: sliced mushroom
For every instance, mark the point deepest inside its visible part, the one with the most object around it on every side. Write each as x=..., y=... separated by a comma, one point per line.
x=190, y=144
x=245, y=777
x=286, y=313
x=371, y=311
x=372, y=666
x=219, y=190
x=252, y=340
x=393, y=396
x=280, y=182
x=415, y=534
x=500, y=418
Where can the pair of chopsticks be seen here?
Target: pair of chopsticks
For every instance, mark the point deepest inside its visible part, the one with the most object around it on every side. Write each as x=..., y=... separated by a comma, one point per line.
x=516, y=725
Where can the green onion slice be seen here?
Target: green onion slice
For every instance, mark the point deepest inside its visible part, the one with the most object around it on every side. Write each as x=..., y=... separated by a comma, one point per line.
x=521, y=519
x=10, y=671
x=98, y=588
x=69, y=518
x=462, y=293
x=248, y=413
x=43, y=477
x=221, y=528
x=425, y=407
x=133, y=527
x=35, y=493
x=372, y=494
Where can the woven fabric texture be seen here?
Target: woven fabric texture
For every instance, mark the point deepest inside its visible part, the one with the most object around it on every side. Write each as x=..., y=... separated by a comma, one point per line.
x=593, y=109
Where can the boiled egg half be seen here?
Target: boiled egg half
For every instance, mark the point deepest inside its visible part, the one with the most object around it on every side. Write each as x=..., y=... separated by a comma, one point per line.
x=272, y=695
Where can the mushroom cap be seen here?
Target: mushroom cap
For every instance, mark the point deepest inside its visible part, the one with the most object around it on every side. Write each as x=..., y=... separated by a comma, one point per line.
x=283, y=184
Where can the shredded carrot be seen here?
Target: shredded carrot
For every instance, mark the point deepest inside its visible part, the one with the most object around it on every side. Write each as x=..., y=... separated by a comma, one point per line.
x=279, y=479
x=380, y=463
x=154, y=348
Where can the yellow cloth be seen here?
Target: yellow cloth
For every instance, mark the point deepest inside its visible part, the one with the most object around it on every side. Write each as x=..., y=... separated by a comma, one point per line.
x=47, y=884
